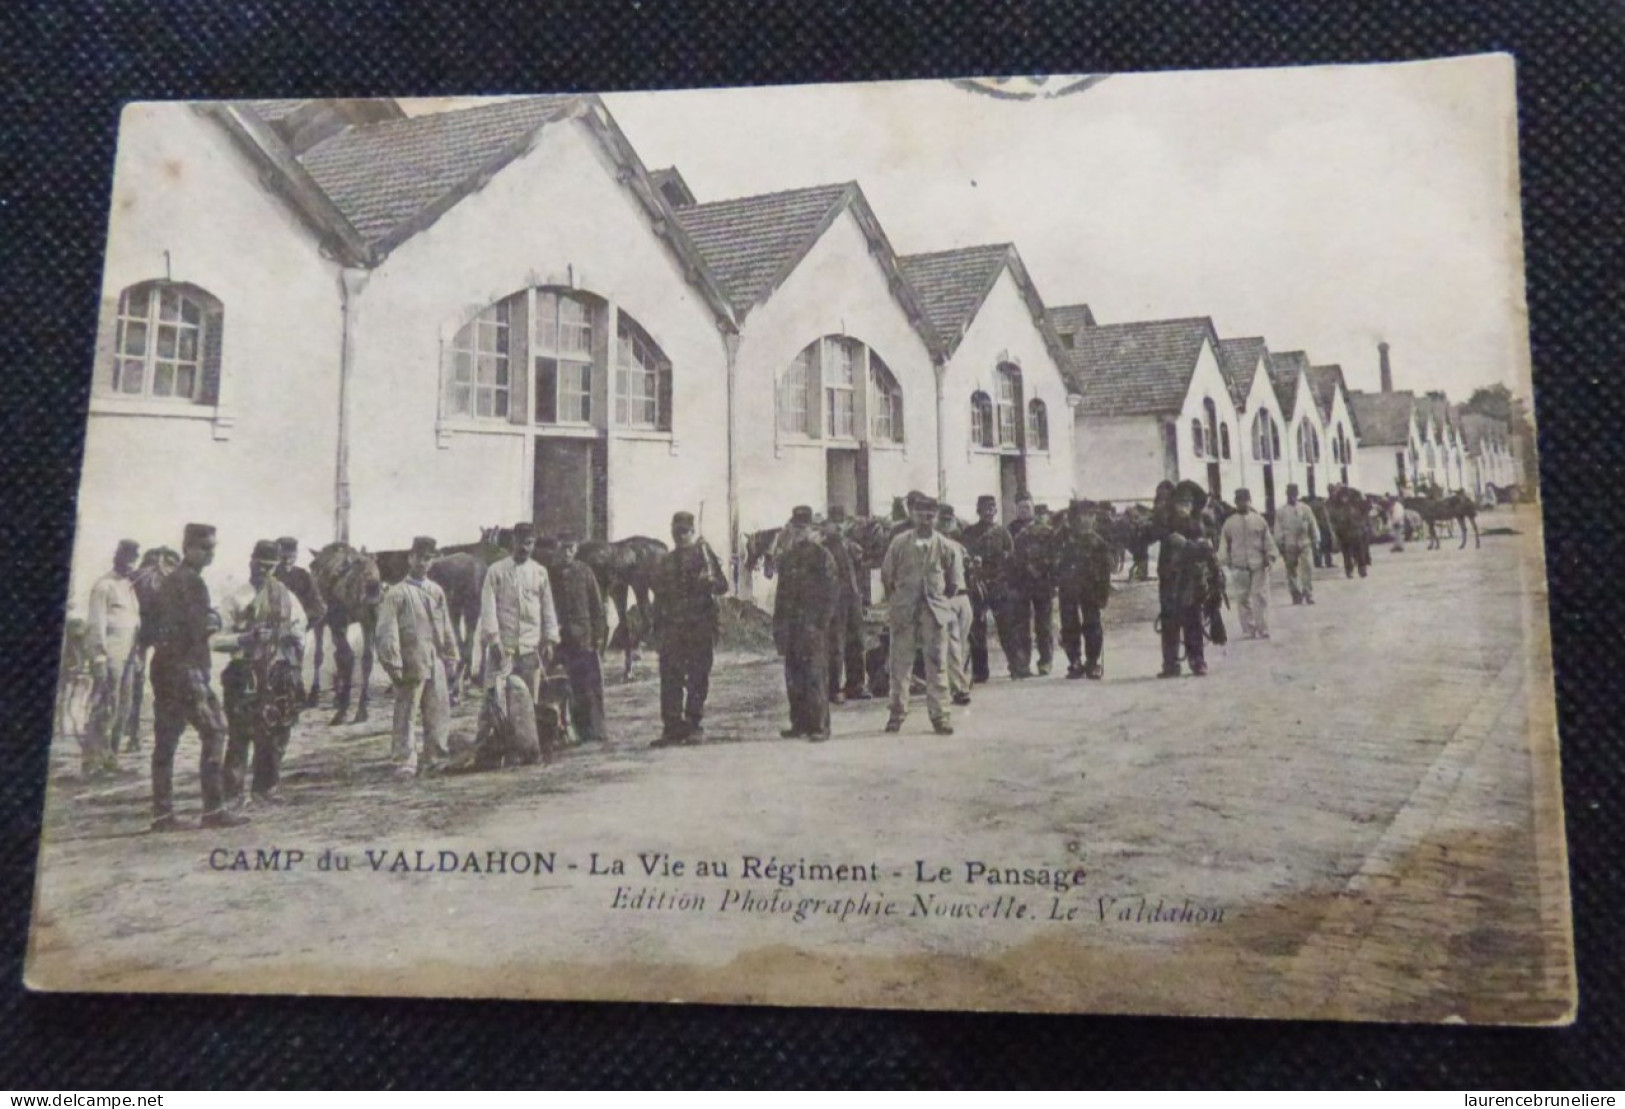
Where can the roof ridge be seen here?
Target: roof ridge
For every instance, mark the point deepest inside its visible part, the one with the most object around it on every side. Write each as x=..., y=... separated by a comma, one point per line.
x=955, y=250
x=770, y=195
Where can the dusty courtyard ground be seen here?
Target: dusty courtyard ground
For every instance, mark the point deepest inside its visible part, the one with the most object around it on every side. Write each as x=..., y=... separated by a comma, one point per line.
x=1339, y=822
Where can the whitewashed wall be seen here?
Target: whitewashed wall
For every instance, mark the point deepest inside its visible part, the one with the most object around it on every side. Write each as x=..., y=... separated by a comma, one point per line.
x=1118, y=458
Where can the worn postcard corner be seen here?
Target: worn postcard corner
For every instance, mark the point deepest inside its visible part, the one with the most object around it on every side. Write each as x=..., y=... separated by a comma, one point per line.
x=1066, y=543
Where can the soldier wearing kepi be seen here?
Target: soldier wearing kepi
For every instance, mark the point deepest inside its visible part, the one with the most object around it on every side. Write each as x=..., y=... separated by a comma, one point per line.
x=804, y=611
x=959, y=676
x=1083, y=572
x=920, y=575
x=1248, y=550
x=301, y=585
x=687, y=584
x=1181, y=556
x=111, y=629
x=846, y=670
x=516, y=609
x=1297, y=533
x=415, y=643
x=181, y=693
x=583, y=633
x=990, y=549
x=263, y=632
x=1031, y=591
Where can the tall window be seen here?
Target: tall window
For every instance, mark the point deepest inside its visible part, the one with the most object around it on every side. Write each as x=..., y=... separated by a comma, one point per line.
x=642, y=378
x=1210, y=412
x=563, y=355
x=981, y=419
x=1037, y=426
x=482, y=376
x=840, y=359
x=1266, y=437
x=1308, y=443
x=1198, y=438
x=167, y=342
x=1224, y=441
x=885, y=403
x=1007, y=406
x=793, y=388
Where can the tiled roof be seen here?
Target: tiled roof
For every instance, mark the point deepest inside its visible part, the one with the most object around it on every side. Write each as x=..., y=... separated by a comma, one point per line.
x=384, y=176
x=1238, y=361
x=1382, y=419
x=1324, y=381
x=1136, y=369
x=1071, y=317
x=273, y=110
x=752, y=242
x=1285, y=366
x=952, y=284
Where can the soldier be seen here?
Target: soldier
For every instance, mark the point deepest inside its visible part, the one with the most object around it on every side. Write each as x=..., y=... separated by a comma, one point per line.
x=846, y=640
x=1026, y=513
x=1323, y=525
x=920, y=575
x=516, y=609
x=804, y=622
x=1180, y=556
x=959, y=676
x=1350, y=518
x=181, y=694
x=1083, y=571
x=989, y=549
x=1247, y=550
x=260, y=685
x=1031, y=591
x=415, y=643
x=111, y=630
x=1297, y=533
x=302, y=585
x=583, y=633
x=687, y=584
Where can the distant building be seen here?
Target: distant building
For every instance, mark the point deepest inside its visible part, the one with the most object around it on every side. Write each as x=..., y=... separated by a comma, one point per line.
x=1266, y=468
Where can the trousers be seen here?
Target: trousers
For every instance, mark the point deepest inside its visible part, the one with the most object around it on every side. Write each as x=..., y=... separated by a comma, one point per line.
x=1081, y=628
x=115, y=686
x=429, y=698
x=919, y=631
x=1300, y=575
x=845, y=648
x=1182, y=625
x=586, y=676
x=1031, y=624
x=959, y=673
x=182, y=697
x=1356, y=554
x=685, y=676
x=1252, y=590
x=247, y=731
x=806, y=677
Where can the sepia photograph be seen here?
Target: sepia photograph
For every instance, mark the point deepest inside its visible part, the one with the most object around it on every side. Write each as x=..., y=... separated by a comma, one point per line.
x=1063, y=543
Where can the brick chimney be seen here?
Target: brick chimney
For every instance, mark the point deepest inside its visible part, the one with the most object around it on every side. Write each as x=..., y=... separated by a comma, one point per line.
x=1387, y=370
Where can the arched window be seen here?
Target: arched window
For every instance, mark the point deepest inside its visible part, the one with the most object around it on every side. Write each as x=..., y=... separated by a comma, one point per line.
x=1198, y=438
x=885, y=403
x=981, y=419
x=1211, y=412
x=483, y=357
x=1308, y=443
x=1224, y=441
x=167, y=343
x=1008, y=388
x=795, y=386
x=642, y=378
x=1037, y=426
x=1266, y=437
x=840, y=358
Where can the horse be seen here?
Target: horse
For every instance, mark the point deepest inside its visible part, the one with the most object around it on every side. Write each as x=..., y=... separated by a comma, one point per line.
x=461, y=576
x=626, y=564
x=1456, y=509
x=760, y=548
x=352, y=586
x=156, y=565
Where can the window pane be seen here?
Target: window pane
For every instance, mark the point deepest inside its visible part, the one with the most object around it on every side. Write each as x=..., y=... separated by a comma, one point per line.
x=191, y=311
x=169, y=305
x=167, y=341
x=484, y=404
x=500, y=400
x=163, y=379
x=188, y=344
x=186, y=381
x=462, y=369
x=459, y=400
x=129, y=376
x=135, y=338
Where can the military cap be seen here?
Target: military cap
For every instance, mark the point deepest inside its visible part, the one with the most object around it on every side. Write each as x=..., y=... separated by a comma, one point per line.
x=1024, y=495
x=801, y=515
x=265, y=551
x=1041, y=509
x=127, y=548
x=287, y=544
x=837, y=514
x=684, y=520
x=524, y=529
x=917, y=499
x=1243, y=495
x=195, y=533
x=423, y=545
x=565, y=538
x=945, y=510
x=1292, y=487
x=1191, y=492
x=987, y=500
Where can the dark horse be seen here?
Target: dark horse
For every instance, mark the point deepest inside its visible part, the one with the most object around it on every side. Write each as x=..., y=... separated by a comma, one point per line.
x=626, y=565
x=352, y=586
x=1457, y=508
x=461, y=576
x=760, y=548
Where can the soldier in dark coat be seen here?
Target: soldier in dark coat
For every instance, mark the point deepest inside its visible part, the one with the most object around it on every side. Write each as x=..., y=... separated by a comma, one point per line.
x=1183, y=575
x=687, y=584
x=1031, y=592
x=804, y=611
x=846, y=670
x=1350, y=520
x=1083, y=572
x=989, y=548
x=583, y=634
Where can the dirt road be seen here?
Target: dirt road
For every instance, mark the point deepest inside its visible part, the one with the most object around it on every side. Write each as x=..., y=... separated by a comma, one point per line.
x=1339, y=822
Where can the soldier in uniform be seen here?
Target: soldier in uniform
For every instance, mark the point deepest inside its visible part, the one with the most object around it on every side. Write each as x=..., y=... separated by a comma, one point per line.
x=1349, y=518
x=1026, y=513
x=1248, y=551
x=111, y=629
x=920, y=575
x=583, y=633
x=302, y=585
x=181, y=693
x=260, y=685
x=687, y=584
x=1297, y=534
x=415, y=644
x=1083, y=571
x=1181, y=555
x=959, y=675
x=989, y=549
x=804, y=622
x=1031, y=592
x=846, y=641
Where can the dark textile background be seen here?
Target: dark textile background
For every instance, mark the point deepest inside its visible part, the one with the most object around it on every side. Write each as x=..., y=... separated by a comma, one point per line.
x=65, y=69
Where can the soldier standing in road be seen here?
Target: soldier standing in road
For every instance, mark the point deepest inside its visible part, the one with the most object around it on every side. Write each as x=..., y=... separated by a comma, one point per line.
x=415, y=644
x=263, y=634
x=1031, y=591
x=920, y=575
x=181, y=694
x=1182, y=554
x=1297, y=533
x=516, y=609
x=111, y=629
x=583, y=633
x=1247, y=551
x=804, y=622
x=959, y=676
x=846, y=639
x=1349, y=517
x=990, y=549
x=687, y=584
x=301, y=585
x=1083, y=571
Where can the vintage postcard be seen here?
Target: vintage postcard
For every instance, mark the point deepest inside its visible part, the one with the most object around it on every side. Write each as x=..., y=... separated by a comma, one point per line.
x=1063, y=543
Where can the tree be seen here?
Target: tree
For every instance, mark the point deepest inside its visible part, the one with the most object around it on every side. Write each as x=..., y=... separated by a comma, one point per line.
x=1497, y=402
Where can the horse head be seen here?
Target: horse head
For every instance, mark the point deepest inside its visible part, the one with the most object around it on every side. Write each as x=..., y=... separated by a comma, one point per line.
x=348, y=576
x=759, y=547
x=156, y=565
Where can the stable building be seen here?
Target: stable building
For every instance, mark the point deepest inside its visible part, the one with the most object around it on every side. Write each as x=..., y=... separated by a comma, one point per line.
x=1246, y=367
x=1306, y=434
x=1153, y=405
x=1005, y=420
x=1491, y=468
x=1330, y=392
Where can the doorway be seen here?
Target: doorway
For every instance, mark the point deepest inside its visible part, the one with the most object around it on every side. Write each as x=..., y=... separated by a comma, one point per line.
x=1010, y=485
x=846, y=481
x=1269, y=492
x=571, y=487
x=1309, y=478
x=1215, y=487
